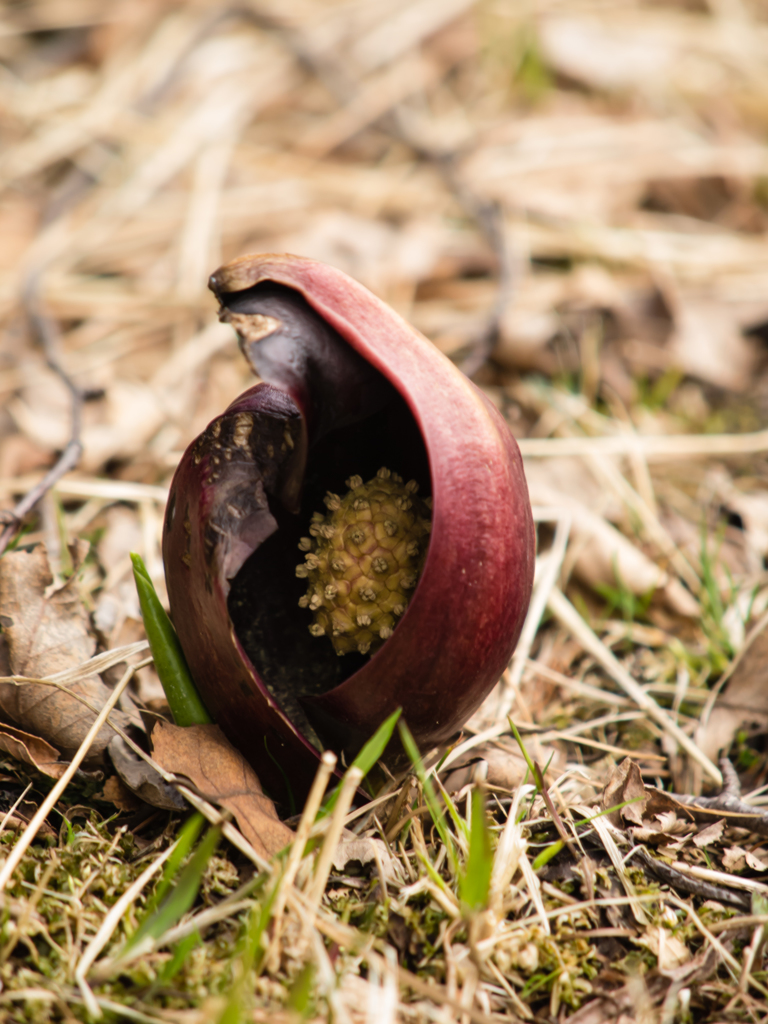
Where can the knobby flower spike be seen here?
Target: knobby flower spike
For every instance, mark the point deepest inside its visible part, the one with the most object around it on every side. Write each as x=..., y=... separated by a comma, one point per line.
x=350, y=536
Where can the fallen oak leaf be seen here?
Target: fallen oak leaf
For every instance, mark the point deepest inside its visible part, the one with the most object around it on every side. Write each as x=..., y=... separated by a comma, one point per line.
x=757, y=823
x=649, y=815
x=646, y=805
x=48, y=633
x=31, y=750
x=649, y=806
x=221, y=774
x=667, y=823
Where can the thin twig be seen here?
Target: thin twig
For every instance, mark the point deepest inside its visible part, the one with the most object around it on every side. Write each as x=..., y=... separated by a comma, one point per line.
x=46, y=333
x=735, y=924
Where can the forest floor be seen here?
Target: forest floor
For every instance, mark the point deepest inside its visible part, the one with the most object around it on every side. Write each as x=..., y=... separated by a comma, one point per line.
x=570, y=201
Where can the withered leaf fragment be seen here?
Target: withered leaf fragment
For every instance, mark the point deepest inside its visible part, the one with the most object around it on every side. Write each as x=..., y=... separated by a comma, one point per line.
x=220, y=773
x=32, y=750
x=348, y=388
x=47, y=631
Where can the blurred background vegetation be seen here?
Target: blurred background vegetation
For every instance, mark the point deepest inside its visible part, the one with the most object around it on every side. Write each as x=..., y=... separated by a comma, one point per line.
x=569, y=199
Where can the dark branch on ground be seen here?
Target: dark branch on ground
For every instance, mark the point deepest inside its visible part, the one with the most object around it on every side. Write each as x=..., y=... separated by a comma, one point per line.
x=740, y=814
x=678, y=881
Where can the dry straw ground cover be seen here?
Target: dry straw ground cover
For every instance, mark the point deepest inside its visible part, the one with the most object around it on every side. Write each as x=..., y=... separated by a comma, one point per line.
x=570, y=200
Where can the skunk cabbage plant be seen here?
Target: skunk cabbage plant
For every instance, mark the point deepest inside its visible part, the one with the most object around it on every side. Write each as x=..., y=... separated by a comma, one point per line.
x=350, y=536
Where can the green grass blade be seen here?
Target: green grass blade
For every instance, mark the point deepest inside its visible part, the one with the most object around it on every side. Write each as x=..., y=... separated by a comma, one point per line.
x=554, y=848
x=546, y=855
x=760, y=906
x=367, y=757
x=171, y=967
x=532, y=767
x=458, y=822
x=187, y=838
x=300, y=998
x=179, y=897
x=475, y=882
x=235, y=1012
x=429, y=868
x=435, y=810
x=171, y=665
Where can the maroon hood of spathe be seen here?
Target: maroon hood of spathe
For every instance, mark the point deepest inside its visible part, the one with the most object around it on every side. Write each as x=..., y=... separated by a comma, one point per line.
x=465, y=617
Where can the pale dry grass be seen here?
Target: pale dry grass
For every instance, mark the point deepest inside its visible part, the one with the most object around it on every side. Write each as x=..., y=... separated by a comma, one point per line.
x=581, y=191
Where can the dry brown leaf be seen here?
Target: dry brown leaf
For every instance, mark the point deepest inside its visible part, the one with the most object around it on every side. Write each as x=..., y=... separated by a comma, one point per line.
x=47, y=632
x=744, y=700
x=734, y=859
x=221, y=774
x=710, y=834
x=660, y=830
x=659, y=803
x=707, y=341
x=754, y=862
x=654, y=816
x=116, y=792
x=141, y=778
x=668, y=823
x=602, y=53
x=667, y=948
x=651, y=814
x=504, y=769
x=22, y=816
x=32, y=750
x=625, y=784
x=640, y=834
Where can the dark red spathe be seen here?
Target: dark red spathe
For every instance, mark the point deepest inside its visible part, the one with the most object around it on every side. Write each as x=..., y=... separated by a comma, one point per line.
x=240, y=482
